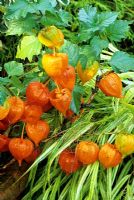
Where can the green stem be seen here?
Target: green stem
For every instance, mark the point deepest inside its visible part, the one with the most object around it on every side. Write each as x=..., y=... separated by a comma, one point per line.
x=54, y=51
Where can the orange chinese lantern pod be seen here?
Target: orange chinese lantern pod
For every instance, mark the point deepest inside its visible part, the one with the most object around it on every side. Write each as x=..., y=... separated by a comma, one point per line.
x=61, y=99
x=68, y=162
x=109, y=156
x=37, y=93
x=20, y=148
x=4, y=124
x=55, y=65
x=4, y=142
x=87, y=152
x=4, y=110
x=47, y=107
x=67, y=79
x=32, y=113
x=37, y=131
x=111, y=85
x=69, y=114
x=124, y=142
x=32, y=157
x=88, y=73
x=51, y=37
x=16, y=109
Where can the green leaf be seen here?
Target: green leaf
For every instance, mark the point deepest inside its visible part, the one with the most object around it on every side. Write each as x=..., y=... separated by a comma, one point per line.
x=1, y=45
x=76, y=99
x=4, y=81
x=106, y=18
x=19, y=9
x=93, y=183
x=73, y=52
x=20, y=26
x=89, y=52
x=64, y=2
x=118, y=30
x=60, y=18
x=122, y=62
x=43, y=5
x=87, y=14
x=84, y=34
x=14, y=68
x=83, y=60
x=91, y=22
x=22, y=8
x=16, y=82
x=53, y=3
x=3, y=96
x=2, y=9
x=98, y=44
x=65, y=16
x=118, y=186
x=29, y=47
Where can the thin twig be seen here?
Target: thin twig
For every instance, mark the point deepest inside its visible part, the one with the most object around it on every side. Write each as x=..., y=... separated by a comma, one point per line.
x=22, y=134
x=54, y=136
x=9, y=163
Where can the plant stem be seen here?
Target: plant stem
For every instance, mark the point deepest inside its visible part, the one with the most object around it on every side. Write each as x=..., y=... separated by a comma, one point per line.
x=57, y=86
x=22, y=134
x=46, y=83
x=94, y=92
x=54, y=51
x=7, y=131
x=54, y=136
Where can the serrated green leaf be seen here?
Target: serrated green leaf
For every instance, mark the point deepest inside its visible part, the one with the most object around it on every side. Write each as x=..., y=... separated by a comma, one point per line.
x=65, y=16
x=98, y=44
x=43, y=5
x=22, y=8
x=19, y=9
x=76, y=99
x=73, y=52
x=87, y=17
x=118, y=30
x=20, y=26
x=29, y=47
x=106, y=18
x=87, y=14
x=14, y=68
x=91, y=22
x=122, y=62
x=60, y=18
x=84, y=34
